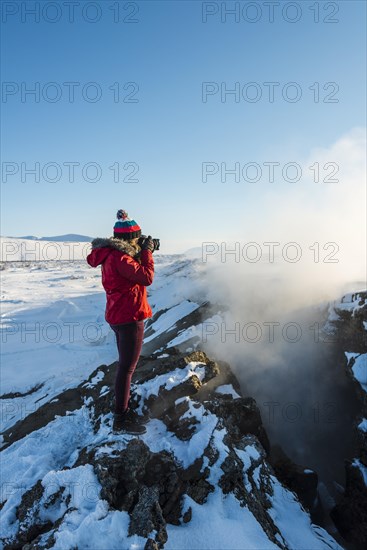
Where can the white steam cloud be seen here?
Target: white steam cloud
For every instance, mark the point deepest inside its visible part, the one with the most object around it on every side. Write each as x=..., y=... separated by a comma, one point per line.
x=272, y=309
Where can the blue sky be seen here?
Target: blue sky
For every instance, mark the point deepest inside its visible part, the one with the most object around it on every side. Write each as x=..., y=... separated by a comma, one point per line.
x=169, y=132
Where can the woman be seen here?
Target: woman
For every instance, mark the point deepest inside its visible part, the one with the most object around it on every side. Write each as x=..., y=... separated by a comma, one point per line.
x=127, y=269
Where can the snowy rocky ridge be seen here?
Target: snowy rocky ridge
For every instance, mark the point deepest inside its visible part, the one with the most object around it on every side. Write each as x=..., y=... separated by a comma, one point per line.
x=198, y=478
x=348, y=324
x=201, y=477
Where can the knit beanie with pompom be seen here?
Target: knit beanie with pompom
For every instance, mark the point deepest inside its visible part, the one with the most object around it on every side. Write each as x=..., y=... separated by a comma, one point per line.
x=125, y=228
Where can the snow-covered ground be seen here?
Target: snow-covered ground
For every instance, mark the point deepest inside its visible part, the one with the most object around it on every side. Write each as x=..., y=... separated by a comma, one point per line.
x=53, y=330
x=49, y=455
x=53, y=337
x=28, y=250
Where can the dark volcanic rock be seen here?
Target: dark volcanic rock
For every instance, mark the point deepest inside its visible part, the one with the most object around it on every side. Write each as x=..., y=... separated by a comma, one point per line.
x=147, y=485
x=240, y=417
x=147, y=515
x=31, y=526
x=163, y=405
x=350, y=514
x=150, y=367
x=152, y=486
x=120, y=474
x=293, y=476
x=232, y=481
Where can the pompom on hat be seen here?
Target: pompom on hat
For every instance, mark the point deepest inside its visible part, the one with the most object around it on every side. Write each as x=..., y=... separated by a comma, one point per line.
x=125, y=228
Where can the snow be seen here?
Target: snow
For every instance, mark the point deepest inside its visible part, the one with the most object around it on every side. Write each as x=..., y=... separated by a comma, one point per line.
x=362, y=468
x=63, y=304
x=170, y=379
x=231, y=527
x=194, y=331
x=53, y=333
x=359, y=367
x=350, y=355
x=358, y=363
x=168, y=319
x=90, y=524
x=44, y=453
x=99, y=528
x=97, y=378
x=295, y=526
x=250, y=453
x=227, y=389
x=158, y=438
x=26, y=250
x=256, y=476
x=349, y=302
x=31, y=458
x=360, y=370
x=53, y=329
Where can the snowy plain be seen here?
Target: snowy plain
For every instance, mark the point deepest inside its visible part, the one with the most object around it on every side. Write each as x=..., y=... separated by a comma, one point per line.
x=53, y=330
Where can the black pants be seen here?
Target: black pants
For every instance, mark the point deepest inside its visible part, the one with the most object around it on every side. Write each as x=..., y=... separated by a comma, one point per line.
x=129, y=340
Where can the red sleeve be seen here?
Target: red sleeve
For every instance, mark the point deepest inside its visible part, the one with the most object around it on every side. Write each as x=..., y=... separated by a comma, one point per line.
x=143, y=273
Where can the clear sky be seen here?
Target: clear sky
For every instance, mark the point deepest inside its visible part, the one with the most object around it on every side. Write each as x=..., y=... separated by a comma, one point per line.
x=163, y=128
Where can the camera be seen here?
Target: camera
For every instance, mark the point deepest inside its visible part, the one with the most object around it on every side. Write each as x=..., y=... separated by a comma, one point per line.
x=156, y=242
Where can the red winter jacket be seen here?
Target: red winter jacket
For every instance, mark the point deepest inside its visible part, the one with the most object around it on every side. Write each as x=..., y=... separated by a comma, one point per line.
x=124, y=279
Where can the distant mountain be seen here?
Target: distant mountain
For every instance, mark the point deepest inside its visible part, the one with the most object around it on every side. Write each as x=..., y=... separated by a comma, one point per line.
x=70, y=237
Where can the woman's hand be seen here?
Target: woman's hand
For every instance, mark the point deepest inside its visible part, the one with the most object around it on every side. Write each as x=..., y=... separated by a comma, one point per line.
x=147, y=244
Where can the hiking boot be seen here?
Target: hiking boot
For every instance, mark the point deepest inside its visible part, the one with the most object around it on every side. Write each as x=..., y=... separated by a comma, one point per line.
x=132, y=415
x=127, y=422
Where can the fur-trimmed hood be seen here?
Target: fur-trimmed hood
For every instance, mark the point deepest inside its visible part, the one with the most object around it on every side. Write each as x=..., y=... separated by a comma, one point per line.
x=102, y=248
x=118, y=244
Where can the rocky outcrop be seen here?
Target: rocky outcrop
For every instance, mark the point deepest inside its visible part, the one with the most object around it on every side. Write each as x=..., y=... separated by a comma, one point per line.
x=350, y=514
x=200, y=445
x=297, y=478
x=351, y=314
x=348, y=327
